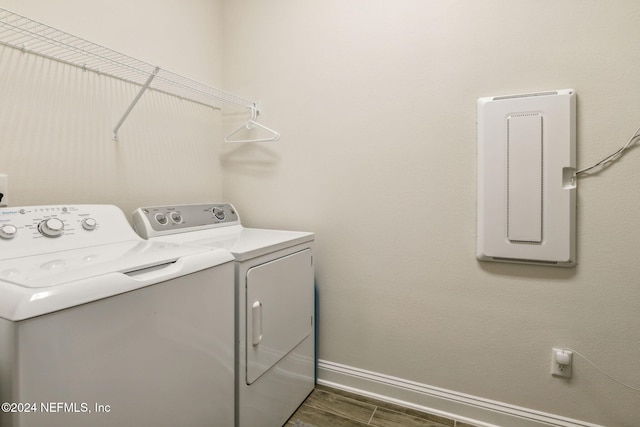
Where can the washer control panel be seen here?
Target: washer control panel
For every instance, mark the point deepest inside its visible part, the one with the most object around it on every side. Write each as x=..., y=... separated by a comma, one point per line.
x=162, y=220
x=32, y=230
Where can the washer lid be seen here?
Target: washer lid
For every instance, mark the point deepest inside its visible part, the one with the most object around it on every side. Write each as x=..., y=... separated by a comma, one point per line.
x=37, y=285
x=52, y=269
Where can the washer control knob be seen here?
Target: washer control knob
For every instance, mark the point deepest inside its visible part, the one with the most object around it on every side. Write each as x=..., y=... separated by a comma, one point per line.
x=218, y=212
x=51, y=227
x=89, y=224
x=8, y=231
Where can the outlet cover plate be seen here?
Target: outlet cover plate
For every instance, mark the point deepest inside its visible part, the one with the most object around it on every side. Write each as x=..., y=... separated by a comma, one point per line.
x=561, y=369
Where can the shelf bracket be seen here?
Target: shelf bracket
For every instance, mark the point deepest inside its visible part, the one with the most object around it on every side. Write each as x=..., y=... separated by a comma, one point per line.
x=135, y=101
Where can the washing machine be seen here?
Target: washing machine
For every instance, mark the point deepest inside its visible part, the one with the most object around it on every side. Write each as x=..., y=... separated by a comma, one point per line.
x=274, y=278
x=99, y=327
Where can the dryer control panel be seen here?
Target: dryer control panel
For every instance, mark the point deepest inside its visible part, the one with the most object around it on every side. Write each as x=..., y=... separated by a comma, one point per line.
x=162, y=220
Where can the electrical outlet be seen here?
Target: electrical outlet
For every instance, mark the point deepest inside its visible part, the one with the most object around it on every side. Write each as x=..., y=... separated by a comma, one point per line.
x=561, y=362
x=4, y=190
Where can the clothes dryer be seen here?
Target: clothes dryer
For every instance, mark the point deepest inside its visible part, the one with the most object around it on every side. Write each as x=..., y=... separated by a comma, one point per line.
x=274, y=277
x=99, y=327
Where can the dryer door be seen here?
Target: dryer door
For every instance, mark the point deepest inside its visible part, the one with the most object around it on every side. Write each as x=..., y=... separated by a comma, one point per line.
x=279, y=312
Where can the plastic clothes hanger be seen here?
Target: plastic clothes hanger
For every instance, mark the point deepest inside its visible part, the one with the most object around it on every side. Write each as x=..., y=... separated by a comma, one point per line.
x=250, y=124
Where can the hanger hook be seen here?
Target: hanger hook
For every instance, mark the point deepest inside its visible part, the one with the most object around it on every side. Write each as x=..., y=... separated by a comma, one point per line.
x=251, y=124
x=254, y=117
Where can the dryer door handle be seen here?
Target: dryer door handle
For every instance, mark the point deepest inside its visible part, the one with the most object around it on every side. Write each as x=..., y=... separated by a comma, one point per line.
x=256, y=314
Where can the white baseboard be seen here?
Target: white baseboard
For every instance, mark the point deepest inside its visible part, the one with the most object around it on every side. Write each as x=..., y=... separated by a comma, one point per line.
x=438, y=401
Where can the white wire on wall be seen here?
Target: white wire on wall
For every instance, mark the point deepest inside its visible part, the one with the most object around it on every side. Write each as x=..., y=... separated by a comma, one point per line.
x=605, y=373
x=613, y=156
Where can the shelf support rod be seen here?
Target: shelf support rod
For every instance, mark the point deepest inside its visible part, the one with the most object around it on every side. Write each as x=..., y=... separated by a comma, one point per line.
x=135, y=101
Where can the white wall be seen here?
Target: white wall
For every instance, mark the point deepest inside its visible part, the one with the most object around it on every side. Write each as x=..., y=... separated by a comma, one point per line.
x=56, y=121
x=375, y=101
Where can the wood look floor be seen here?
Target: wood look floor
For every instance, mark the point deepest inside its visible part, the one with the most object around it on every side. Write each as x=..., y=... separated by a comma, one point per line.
x=329, y=407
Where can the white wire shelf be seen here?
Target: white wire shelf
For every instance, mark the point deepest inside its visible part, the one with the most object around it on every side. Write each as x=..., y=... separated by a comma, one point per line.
x=30, y=36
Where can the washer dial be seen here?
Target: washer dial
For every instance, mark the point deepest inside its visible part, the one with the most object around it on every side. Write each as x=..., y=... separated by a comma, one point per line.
x=89, y=224
x=51, y=227
x=8, y=231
